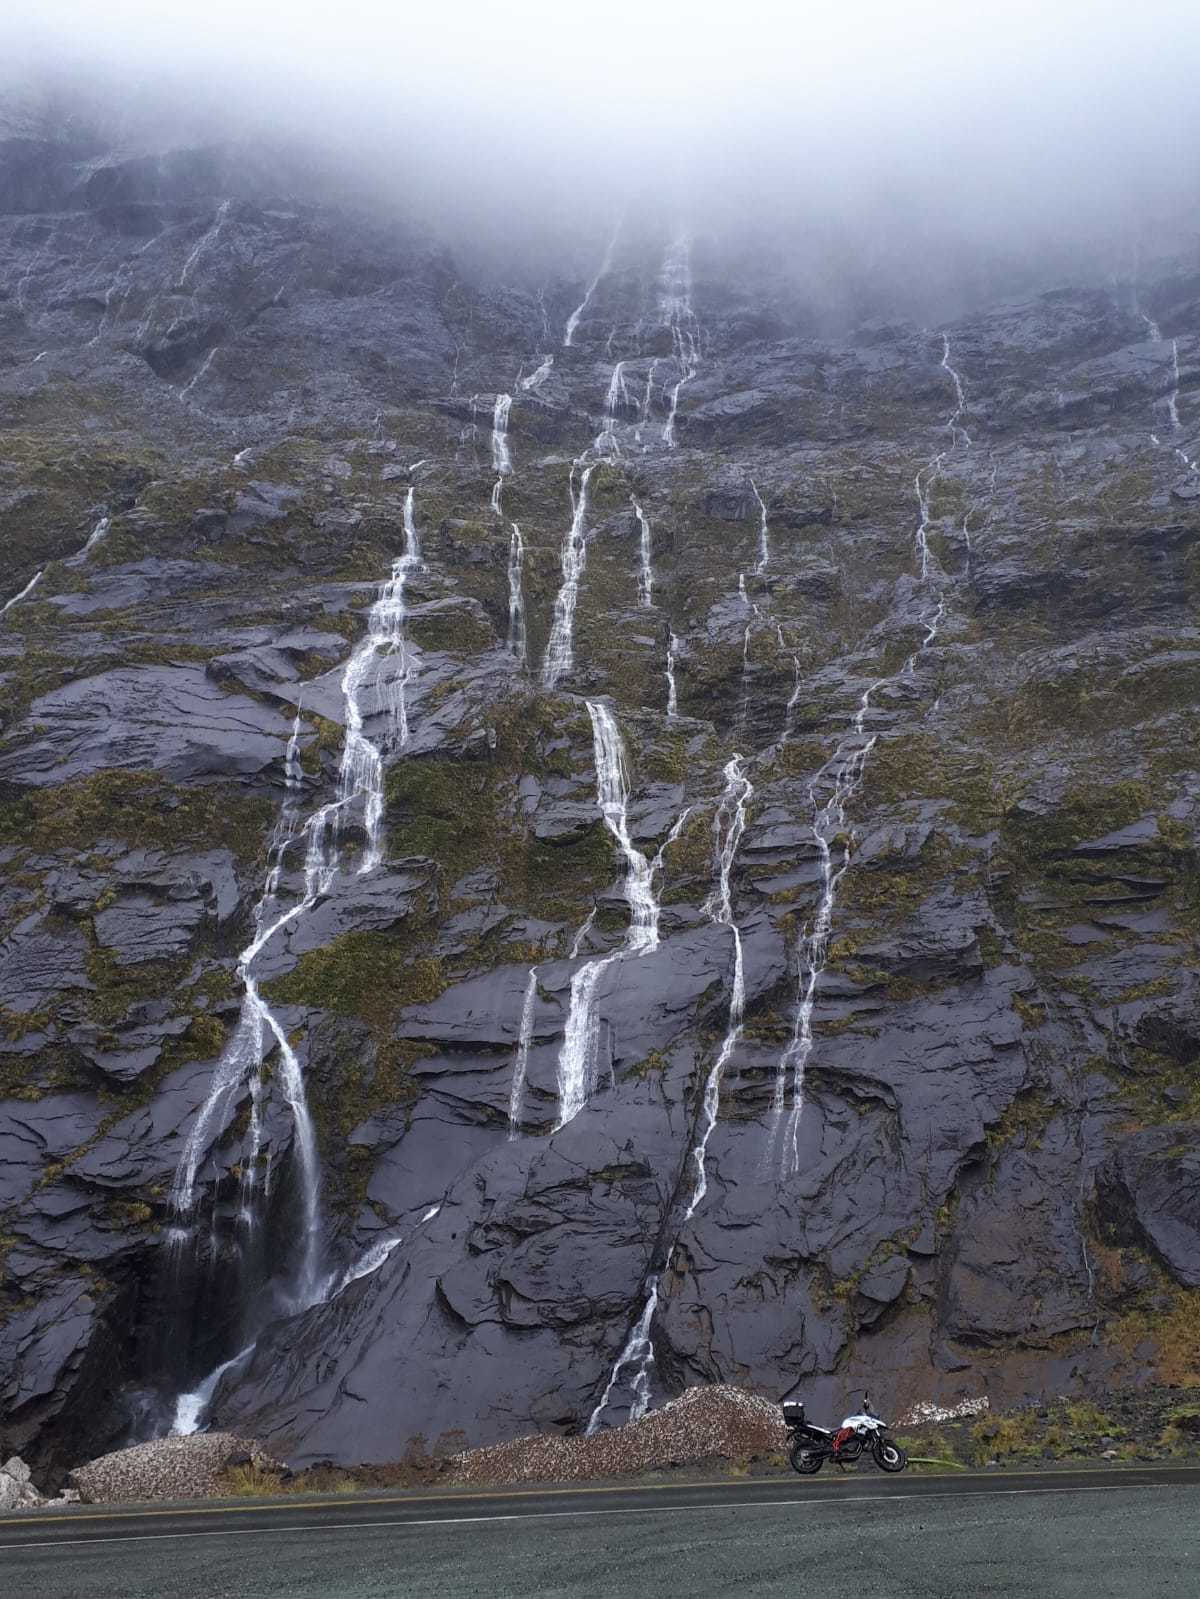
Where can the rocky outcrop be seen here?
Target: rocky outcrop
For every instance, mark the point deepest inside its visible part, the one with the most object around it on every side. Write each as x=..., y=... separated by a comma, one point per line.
x=922, y=1012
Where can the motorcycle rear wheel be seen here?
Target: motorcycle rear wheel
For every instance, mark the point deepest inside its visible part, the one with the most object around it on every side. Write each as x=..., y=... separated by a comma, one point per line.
x=805, y=1459
x=889, y=1456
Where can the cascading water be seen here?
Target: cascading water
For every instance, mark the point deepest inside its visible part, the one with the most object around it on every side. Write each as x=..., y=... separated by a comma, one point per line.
x=672, y=690
x=521, y=1064
x=676, y=302
x=560, y=648
x=362, y=762
x=577, y=1061
x=502, y=465
x=23, y=595
x=845, y=772
x=839, y=780
x=96, y=537
x=638, y=1352
x=538, y=376
x=607, y=443
x=501, y=456
x=360, y=780
x=647, y=397
x=729, y=823
x=518, y=635
x=764, y=533
x=646, y=569
x=577, y=313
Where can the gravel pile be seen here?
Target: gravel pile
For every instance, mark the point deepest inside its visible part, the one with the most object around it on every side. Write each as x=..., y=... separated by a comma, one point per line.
x=167, y=1468
x=703, y=1423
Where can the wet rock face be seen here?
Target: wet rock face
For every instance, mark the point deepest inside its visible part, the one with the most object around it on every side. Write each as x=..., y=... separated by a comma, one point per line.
x=888, y=1069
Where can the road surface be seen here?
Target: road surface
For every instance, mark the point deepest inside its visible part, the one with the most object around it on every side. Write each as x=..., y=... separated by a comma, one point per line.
x=1060, y=1535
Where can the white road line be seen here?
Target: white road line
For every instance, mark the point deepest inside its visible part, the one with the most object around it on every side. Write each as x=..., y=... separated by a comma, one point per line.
x=567, y=1515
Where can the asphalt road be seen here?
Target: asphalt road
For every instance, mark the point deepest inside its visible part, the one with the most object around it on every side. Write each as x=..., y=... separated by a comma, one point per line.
x=1077, y=1535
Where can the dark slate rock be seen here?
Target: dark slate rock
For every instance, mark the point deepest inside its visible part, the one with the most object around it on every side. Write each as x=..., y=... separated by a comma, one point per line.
x=170, y=719
x=1153, y=1184
x=33, y=1133
x=38, y=960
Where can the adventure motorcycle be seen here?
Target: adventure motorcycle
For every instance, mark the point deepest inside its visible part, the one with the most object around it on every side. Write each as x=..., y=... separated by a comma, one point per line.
x=810, y=1446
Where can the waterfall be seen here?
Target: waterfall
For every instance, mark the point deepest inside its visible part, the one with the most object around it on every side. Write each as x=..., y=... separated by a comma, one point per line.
x=362, y=761
x=95, y=537
x=360, y=776
x=517, y=632
x=560, y=649
x=612, y=781
x=844, y=773
x=764, y=542
x=638, y=1349
x=1172, y=398
x=644, y=409
x=24, y=594
x=502, y=466
x=845, y=769
x=618, y=394
x=605, y=265
x=577, y=1060
x=672, y=693
x=203, y=243
x=537, y=377
x=729, y=823
x=954, y=427
x=501, y=457
x=646, y=573
x=521, y=1064
x=190, y=1408
x=676, y=301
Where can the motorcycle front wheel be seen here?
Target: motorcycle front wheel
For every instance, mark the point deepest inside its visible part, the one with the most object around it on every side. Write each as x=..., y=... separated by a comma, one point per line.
x=805, y=1459
x=889, y=1456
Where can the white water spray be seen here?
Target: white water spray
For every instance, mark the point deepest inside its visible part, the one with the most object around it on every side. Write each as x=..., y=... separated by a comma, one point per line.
x=676, y=303
x=518, y=639
x=521, y=1064
x=605, y=266
x=23, y=595
x=538, y=376
x=764, y=533
x=646, y=571
x=362, y=761
x=958, y=433
x=672, y=691
x=844, y=773
x=578, y=1057
x=560, y=648
x=95, y=538
x=501, y=455
x=830, y=793
x=191, y=1408
x=639, y=1352
x=360, y=777
x=729, y=823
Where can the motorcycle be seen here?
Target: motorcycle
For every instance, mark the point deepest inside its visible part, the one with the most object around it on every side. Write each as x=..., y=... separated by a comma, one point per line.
x=810, y=1446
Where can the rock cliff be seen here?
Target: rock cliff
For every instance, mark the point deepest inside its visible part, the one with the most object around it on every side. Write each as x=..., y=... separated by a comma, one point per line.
x=566, y=841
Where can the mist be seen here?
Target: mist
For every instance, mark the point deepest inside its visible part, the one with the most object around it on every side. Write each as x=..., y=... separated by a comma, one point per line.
x=936, y=148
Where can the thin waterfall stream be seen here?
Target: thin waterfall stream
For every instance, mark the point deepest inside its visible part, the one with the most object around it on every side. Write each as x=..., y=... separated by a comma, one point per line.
x=729, y=824
x=578, y=1059
x=240, y=1068
x=832, y=789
